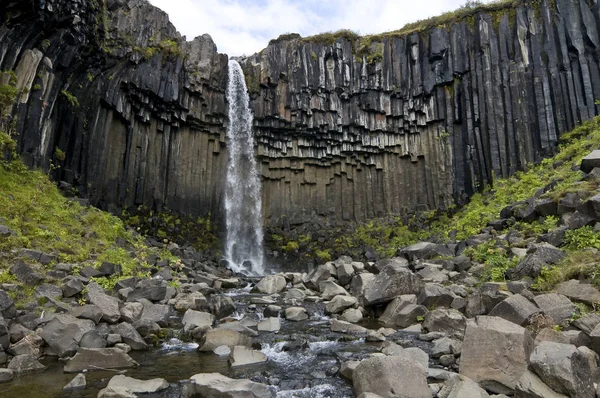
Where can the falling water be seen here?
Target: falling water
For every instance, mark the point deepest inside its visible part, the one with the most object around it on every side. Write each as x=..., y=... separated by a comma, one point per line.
x=244, y=250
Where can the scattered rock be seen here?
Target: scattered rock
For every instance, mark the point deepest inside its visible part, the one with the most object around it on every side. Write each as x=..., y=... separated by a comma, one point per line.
x=99, y=358
x=22, y=364
x=390, y=376
x=217, y=385
x=6, y=375
x=77, y=383
x=241, y=355
x=392, y=281
x=269, y=325
x=563, y=368
x=495, y=353
x=271, y=284
x=124, y=386
x=218, y=337
x=556, y=306
x=108, y=305
x=296, y=314
x=462, y=387
x=516, y=309
x=340, y=303
x=193, y=319
x=448, y=321
x=130, y=336
x=579, y=291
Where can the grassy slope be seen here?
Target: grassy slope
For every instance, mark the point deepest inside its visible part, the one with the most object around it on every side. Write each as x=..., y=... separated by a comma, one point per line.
x=385, y=237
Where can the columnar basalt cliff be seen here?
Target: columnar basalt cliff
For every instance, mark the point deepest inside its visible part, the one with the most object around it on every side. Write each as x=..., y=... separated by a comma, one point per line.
x=138, y=112
x=363, y=127
x=347, y=128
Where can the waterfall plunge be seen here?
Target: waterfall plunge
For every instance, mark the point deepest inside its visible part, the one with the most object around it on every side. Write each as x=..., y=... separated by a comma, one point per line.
x=244, y=246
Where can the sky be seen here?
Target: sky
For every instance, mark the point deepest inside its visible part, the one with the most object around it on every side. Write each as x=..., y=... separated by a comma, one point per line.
x=243, y=27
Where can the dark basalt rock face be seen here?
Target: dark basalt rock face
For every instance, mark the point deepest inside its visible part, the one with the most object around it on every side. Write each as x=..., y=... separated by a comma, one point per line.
x=345, y=131
x=139, y=112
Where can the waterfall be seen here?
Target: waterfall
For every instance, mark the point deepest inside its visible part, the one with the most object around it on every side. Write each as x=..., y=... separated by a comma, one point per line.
x=244, y=245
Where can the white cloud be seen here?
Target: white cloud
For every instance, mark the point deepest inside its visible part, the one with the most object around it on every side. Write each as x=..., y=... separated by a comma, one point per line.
x=246, y=26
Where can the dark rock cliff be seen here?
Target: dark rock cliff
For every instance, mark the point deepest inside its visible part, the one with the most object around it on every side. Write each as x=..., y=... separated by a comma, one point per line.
x=423, y=120
x=347, y=129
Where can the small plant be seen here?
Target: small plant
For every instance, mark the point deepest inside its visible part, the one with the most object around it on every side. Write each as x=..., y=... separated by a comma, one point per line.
x=71, y=98
x=60, y=155
x=291, y=246
x=582, y=238
x=37, y=87
x=323, y=255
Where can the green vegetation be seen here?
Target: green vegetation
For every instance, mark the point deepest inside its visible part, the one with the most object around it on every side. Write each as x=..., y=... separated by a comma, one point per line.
x=167, y=47
x=285, y=37
x=496, y=260
x=577, y=264
x=71, y=98
x=60, y=155
x=291, y=246
x=329, y=38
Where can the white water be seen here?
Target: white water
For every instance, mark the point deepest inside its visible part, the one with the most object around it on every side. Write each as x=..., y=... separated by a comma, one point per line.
x=243, y=248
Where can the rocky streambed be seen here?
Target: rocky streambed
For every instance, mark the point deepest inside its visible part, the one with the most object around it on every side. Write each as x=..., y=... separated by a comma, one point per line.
x=402, y=327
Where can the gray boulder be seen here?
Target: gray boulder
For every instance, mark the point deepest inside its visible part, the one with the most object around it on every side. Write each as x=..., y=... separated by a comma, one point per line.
x=218, y=337
x=579, y=291
x=130, y=336
x=99, y=358
x=330, y=289
x=395, y=306
x=77, y=383
x=296, y=314
x=22, y=364
x=391, y=377
x=435, y=295
x=193, y=319
x=556, y=306
x=318, y=275
x=63, y=334
x=531, y=386
x=241, y=356
x=269, y=325
x=92, y=339
x=340, y=303
x=29, y=345
x=495, y=353
x=563, y=368
x=539, y=256
x=217, y=385
x=591, y=161
x=516, y=309
x=271, y=284
x=448, y=321
x=462, y=387
x=108, y=305
x=124, y=386
x=7, y=306
x=392, y=281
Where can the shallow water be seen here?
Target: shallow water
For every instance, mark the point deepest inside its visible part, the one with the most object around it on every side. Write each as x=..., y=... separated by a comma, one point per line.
x=304, y=360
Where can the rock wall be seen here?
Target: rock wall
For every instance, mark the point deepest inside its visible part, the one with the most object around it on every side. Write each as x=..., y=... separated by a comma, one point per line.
x=363, y=128
x=347, y=129
x=138, y=111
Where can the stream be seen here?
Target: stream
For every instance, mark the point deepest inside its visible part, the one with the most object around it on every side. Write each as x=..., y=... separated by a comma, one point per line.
x=304, y=359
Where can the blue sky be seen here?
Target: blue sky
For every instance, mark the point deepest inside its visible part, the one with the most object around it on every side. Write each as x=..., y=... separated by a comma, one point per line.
x=245, y=26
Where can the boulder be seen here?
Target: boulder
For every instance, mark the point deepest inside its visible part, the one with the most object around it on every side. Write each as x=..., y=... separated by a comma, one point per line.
x=124, y=386
x=448, y=321
x=424, y=251
x=269, y=325
x=72, y=286
x=391, y=377
x=340, y=303
x=92, y=339
x=347, y=369
x=556, y=306
x=25, y=363
x=131, y=312
x=90, y=312
x=516, y=309
x=77, y=383
x=63, y=334
x=462, y=387
x=579, y=291
x=435, y=295
x=352, y=315
x=271, y=284
x=217, y=385
x=591, y=161
x=108, y=305
x=130, y=336
x=318, y=275
x=218, y=337
x=392, y=281
x=407, y=315
x=99, y=358
x=29, y=345
x=219, y=306
x=193, y=319
x=158, y=313
x=360, y=283
x=150, y=289
x=595, y=338
x=531, y=386
x=495, y=353
x=296, y=314
x=345, y=272
x=446, y=346
x=563, y=368
x=331, y=289
x=7, y=306
x=539, y=256
x=241, y=355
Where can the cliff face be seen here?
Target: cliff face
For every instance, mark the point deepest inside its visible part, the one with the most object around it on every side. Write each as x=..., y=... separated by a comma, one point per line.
x=422, y=120
x=138, y=112
x=347, y=129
